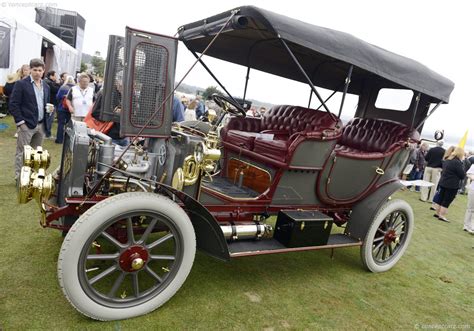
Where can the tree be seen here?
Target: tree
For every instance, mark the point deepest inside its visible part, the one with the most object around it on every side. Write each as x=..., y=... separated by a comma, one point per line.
x=98, y=63
x=83, y=67
x=210, y=91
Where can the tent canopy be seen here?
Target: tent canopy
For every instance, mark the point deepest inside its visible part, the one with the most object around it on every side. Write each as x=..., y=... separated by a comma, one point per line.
x=26, y=42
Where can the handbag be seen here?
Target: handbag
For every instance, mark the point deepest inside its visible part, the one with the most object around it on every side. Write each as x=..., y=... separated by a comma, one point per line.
x=64, y=103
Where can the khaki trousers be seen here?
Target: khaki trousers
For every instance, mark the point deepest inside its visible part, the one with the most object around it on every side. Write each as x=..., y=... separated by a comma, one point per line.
x=431, y=175
x=33, y=137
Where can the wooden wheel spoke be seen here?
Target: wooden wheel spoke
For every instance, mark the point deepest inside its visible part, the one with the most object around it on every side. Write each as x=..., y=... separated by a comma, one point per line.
x=114, y=241
x=135, y=284
x=378, y=239
x=384, y=252
x=102, y=256
x=116, y=285
x=148, y=230
x=159, y=241
x=130, y=236
x=377, y=249
x=103, y=274
x=382, y=231
x=162, y=257
x=153, y=274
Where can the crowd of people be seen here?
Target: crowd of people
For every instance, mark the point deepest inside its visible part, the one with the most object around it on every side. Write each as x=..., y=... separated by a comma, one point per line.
x=35, y=99
x=451, y=172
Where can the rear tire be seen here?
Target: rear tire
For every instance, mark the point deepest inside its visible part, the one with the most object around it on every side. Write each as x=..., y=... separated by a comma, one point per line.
x=388, y=236
x=86, y=272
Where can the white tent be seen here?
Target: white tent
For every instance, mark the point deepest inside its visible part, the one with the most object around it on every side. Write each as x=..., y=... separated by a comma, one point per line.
x=26, y=42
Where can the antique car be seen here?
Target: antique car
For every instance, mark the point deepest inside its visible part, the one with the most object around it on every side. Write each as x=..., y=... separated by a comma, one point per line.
x=296, y=179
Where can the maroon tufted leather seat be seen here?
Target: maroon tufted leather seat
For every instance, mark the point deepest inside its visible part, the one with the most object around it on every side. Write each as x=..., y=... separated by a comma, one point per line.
x=242, y=131
x=273, y=134
x=373, y=138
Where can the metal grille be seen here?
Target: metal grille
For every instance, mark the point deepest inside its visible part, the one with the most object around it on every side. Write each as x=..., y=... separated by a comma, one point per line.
x=113, y=83
x=149, y=84
x=117, y=89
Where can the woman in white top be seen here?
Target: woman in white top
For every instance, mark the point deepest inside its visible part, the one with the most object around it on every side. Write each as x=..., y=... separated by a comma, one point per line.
x=80, y=98
x=468, y=218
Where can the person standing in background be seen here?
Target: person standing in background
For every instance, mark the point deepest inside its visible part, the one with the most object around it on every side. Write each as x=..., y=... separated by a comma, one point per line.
x=178, y=110
x=200, y=107
x=8, y=88
x=21, y=73
x=450, y=181
x=468, y=217
x=52, y=81
x=467, y=165
x=434, y=158
x=63, y=113
x=80, y=98
x=62, y=78
x=28, y=107
x=436, y=201
x=419, y=166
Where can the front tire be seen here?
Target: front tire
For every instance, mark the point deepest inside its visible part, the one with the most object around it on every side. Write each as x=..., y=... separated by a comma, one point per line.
x=388, y=236
x=126, y=256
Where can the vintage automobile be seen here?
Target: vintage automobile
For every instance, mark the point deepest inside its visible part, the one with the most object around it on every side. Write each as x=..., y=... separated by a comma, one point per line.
x=133, y=217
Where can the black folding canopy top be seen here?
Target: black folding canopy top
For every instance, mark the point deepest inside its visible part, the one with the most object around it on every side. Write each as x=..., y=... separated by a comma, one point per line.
x=251, y=39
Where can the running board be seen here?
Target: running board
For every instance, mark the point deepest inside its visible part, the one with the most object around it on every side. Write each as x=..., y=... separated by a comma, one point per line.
x=272, y=246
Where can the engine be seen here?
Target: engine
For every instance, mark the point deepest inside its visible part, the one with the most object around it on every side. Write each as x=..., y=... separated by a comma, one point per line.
x=90, y=159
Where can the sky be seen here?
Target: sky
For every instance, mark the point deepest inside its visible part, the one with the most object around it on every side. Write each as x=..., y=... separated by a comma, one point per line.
x=437, y=33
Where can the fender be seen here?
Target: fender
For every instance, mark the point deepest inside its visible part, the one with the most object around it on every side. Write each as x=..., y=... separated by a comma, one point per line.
x=364, y=212
x=209, y=236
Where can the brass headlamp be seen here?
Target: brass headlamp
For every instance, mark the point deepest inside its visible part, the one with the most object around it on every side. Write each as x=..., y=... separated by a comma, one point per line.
x=36, y=159
x=35, y=185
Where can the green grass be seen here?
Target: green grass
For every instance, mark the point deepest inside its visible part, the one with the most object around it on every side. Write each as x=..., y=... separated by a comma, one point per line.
x=432, y=284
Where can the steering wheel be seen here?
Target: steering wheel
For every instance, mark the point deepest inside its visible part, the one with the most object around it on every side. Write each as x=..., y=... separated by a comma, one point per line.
x=224, y=103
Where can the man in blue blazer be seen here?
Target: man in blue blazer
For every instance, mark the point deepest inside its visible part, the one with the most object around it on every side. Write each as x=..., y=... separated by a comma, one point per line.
x=28, y=107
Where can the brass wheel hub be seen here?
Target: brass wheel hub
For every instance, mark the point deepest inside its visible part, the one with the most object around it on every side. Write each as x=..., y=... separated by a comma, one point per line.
x=137, y=263
x=133, y=258
x=390, y=237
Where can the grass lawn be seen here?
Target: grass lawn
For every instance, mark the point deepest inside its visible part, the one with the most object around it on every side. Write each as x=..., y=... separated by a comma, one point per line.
x=432, y=284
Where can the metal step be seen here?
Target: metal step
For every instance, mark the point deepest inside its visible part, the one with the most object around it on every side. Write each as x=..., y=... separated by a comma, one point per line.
x=272, y=246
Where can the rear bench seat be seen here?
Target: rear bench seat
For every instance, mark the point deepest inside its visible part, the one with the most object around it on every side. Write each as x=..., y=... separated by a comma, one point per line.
x=367, y=138
x=281, y=128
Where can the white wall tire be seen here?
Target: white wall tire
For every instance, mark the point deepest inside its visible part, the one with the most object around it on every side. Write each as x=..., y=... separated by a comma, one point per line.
x=88, y=242
x=388, y=236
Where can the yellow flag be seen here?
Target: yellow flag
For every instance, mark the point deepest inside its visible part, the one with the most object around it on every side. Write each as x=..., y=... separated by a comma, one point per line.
x=463, y=140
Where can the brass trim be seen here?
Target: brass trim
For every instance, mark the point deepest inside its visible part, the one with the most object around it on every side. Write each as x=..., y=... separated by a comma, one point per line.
x=191, y=170
x=379, y=171
x=34, y=185
x=36, y=158
x=178, y=179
